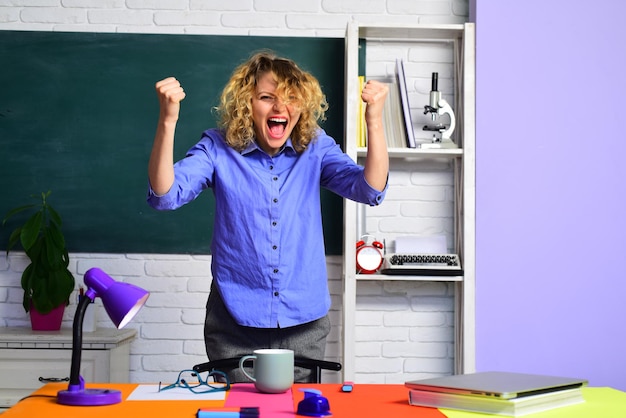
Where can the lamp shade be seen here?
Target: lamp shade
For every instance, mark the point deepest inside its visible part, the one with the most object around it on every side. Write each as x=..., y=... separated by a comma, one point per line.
x=120, y=300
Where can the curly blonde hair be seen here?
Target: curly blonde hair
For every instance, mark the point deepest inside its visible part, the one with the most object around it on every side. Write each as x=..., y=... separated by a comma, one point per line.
x=296, y=86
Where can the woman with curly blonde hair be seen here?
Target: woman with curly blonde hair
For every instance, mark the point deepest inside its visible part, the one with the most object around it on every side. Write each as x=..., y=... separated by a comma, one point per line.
x=265, y=165
x=294, y=86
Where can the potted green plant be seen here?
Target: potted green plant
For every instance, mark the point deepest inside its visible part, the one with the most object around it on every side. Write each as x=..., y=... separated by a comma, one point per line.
x=47, y=281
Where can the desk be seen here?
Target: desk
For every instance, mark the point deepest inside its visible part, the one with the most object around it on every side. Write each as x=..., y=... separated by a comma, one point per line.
x=365, y=401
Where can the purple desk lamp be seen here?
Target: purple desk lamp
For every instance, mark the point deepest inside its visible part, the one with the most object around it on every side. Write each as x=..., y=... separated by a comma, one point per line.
x=121, y=301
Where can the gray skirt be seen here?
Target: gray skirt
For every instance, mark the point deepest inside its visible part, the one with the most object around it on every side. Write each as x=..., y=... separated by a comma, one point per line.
x=225, y=338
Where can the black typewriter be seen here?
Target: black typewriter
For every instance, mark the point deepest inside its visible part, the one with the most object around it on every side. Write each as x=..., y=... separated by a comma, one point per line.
x=422, y=264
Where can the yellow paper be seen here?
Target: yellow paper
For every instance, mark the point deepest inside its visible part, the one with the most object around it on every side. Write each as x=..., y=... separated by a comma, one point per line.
x=599, y=402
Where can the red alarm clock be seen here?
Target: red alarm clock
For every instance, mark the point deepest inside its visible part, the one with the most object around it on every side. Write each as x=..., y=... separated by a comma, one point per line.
x=369, y=257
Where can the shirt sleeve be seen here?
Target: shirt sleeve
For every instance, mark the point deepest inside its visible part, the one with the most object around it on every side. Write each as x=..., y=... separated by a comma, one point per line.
x=343, y=176
x=192, y=175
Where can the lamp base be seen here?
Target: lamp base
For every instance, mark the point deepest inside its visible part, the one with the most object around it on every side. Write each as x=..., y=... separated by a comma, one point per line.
x=89, y=397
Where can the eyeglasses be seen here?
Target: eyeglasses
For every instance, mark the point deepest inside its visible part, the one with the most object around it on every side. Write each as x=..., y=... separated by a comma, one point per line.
x=196, y=383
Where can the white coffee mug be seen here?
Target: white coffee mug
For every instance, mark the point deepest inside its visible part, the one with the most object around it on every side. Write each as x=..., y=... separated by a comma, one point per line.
x=272, y=369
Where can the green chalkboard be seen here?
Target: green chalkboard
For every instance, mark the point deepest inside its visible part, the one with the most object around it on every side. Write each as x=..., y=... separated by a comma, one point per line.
x=78, y=113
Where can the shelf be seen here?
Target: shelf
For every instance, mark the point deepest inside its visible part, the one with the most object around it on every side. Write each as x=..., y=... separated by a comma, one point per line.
x=411, y=33
x=102, y=338
x=406, y=277
x=418, y=153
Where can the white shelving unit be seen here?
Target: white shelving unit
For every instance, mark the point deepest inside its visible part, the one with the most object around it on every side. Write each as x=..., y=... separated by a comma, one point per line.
x=459, y=38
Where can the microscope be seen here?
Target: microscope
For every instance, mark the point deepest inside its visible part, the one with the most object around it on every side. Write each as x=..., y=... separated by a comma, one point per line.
x=439, y=107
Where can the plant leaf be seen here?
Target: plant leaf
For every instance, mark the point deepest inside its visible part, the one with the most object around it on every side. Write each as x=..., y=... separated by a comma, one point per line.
x=69, y=283
x=14, y=238
x=15, y=211
x=54, y=216
x=55, y=235
x=31, y=230
x=59, y=285
x=34, y=252
x=40, y=297
x=27, y=279
x=26, y=301
x=54, y=252
x=66, y=260
x=42, y=304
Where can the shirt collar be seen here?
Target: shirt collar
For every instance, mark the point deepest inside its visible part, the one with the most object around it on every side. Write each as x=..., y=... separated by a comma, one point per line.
x=253, y=146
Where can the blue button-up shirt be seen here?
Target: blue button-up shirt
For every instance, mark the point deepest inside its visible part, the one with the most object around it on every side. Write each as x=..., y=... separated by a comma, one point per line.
x=268, y=256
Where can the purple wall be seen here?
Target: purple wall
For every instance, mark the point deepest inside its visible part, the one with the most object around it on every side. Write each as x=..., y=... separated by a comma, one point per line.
x=551, y=188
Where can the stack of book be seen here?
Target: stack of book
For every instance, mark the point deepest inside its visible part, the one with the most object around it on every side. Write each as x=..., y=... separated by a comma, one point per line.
x=509, y=407
x=499, y=393
x=396, y=113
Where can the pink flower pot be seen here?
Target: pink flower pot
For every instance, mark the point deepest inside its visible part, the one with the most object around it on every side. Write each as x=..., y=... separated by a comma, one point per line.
x=47, y=322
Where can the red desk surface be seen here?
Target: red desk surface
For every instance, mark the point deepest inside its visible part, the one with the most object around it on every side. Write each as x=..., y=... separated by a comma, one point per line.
x=364, y=401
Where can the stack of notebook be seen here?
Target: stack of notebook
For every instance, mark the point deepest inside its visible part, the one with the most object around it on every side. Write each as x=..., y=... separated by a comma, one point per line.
x=500, y=393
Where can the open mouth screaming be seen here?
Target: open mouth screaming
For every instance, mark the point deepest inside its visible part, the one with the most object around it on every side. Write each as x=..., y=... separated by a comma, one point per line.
x=277, y=127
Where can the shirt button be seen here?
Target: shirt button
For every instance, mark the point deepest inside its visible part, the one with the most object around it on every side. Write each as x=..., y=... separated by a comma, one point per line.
x=275, y=270
x=274, y=223
x=274, y=247
x=275, y=178
x=275, y=200
x=271, y=167
x=275, y=293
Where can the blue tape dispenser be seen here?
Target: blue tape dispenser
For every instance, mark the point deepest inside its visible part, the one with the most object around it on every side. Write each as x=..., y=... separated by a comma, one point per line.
x=313, y=404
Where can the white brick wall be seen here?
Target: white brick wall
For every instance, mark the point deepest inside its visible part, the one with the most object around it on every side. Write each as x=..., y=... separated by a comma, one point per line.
x=235, y=17
x=404, y=329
